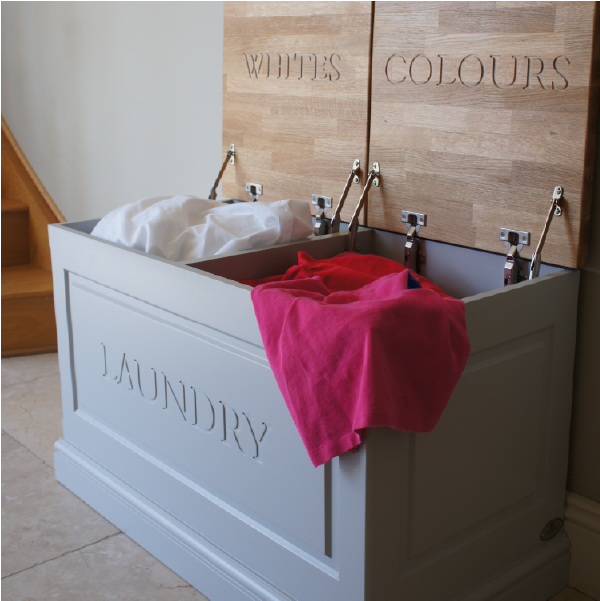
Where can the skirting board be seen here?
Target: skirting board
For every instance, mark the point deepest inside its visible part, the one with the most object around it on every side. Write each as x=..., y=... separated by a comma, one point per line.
x=538, y=577
x=582, y=525
x=221, y=578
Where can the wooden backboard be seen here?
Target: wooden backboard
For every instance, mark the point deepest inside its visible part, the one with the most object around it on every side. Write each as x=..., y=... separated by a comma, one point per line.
x=479, y=110
x=295, y=97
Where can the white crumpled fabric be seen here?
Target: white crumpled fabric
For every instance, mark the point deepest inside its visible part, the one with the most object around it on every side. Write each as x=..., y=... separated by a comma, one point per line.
x=181, y=228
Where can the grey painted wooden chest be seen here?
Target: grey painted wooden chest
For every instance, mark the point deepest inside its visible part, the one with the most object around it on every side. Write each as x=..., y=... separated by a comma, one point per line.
x=175, y=430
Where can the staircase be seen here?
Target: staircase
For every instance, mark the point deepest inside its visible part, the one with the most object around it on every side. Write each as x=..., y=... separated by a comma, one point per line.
x=28, y=323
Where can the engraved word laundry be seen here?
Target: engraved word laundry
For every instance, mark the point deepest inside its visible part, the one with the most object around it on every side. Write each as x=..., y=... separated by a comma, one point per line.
x=324, y=67
x=239, y=430
x=470, y=71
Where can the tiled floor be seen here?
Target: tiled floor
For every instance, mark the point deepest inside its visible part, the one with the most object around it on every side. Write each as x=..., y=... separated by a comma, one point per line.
x=54, y=546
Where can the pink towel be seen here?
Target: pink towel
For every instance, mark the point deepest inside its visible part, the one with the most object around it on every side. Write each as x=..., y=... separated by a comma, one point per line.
x=348, y=271
x=383, y=355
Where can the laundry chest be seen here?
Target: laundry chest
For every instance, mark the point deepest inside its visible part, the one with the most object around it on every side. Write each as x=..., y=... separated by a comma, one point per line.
x=174, y=426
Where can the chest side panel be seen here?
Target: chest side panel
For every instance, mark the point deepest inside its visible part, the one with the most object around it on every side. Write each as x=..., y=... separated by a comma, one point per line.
x=295, y=97
x=478, y=112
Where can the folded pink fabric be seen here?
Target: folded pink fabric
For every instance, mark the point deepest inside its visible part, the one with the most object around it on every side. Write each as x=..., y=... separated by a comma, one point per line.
x=383, y=355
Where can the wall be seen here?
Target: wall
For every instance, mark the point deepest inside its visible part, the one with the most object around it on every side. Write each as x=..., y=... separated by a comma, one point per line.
x=584, y=460
x=115, y=101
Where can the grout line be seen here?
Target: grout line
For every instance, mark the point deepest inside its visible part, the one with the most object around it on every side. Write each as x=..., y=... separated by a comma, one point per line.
x=79, y=549
x=66, y=552
x=60, y=483
x=32, y=380
x=27, y=449
x=63, y=555
x=582, y=593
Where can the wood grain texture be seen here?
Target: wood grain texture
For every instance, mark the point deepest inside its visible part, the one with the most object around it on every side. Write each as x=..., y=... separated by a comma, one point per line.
x=467, y=148
x=21, y=281
x=42, y=198
x=297, y=133
x=39, y=333
x=28, y=321
x=20, y=182
x=15, y=232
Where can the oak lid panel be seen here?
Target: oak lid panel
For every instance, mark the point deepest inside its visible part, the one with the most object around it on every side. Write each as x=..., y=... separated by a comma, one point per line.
x=478, y=111
x=295, y=97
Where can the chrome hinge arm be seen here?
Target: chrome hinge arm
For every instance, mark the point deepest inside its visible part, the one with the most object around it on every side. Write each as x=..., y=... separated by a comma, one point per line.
x=372, y=178
x=335, y=220
x=230, y=154
x=555, y=209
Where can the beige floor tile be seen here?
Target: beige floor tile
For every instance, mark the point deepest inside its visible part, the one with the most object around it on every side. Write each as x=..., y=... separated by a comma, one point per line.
x=570, y=594
x=32, y=413
x=41, y=519
x=22, y=369
x=115, y=569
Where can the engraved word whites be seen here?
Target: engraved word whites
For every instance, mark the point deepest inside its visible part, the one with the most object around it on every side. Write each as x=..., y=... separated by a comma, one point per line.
x=308, y=67
x=470, y=71
x=238, y=430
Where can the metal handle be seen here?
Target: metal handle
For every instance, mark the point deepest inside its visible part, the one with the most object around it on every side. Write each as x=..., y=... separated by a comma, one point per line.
x=335, y=220
x=372, y=178
x=555, y=209
x=230, y=154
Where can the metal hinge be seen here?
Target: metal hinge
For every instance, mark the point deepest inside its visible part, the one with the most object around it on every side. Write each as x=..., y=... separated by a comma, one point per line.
x=230, y=155
x=254, y=190
x=324, y=226
x=514, y=241
x=372, y=178
x=324, y=204
x=555, y=209
x=413, y=256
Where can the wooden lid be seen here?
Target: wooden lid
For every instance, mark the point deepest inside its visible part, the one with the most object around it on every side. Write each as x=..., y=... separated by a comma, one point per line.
x=295, y=97
x=478, y=110
x=476, y=145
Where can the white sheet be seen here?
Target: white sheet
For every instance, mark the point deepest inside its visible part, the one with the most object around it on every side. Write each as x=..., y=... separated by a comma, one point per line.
x=182, y=228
